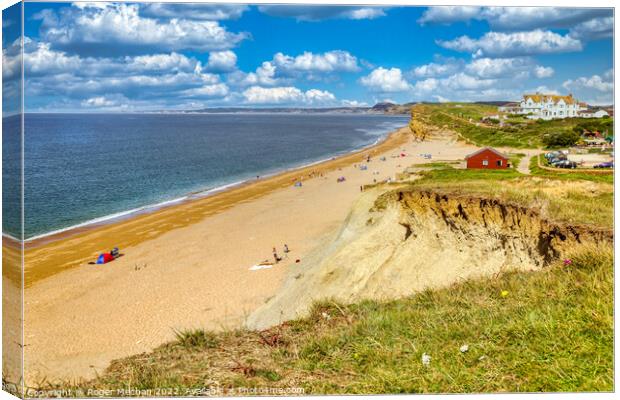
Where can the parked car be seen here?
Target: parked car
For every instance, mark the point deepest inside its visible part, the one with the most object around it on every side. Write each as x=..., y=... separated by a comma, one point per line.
x=608, y=164
x=556, y=160
x=556, y=154
x=567, y=164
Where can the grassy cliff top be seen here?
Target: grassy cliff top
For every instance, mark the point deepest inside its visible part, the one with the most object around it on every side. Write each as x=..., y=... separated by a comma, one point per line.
x=516, y=131
x=550, y=330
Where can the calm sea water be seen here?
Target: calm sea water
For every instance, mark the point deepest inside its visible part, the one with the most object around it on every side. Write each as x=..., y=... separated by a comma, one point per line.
x=80, y=168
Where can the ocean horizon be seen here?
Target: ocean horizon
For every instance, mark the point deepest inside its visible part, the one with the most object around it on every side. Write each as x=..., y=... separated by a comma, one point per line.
x=83, y=169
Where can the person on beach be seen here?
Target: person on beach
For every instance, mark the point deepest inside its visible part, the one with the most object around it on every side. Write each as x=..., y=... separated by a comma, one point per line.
x=114, y=252
x=286, y=250
x=275, y=256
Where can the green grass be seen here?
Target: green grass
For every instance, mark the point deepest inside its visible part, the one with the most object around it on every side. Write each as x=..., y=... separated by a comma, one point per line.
x=588, y=199
x=515, y=159
x=439, y=174
x=553, y=331
x=196, y=339
x=571, y=175
x=436, y=164
x=518, y=132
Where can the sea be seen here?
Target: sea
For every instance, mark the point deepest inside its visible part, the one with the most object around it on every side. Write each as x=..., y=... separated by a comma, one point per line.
x=82, y=169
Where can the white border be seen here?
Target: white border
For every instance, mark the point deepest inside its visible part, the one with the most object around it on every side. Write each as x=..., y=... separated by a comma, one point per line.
x=513, y=3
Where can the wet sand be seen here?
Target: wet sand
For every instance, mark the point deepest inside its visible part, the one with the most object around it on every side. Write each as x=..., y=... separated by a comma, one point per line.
x=188, y=266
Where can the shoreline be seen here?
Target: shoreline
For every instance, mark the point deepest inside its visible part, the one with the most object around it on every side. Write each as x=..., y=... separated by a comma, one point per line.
x=57, y=234
x=41, y=254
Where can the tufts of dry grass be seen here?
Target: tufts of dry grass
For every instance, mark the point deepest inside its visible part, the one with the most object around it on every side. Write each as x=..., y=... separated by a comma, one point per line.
x=549, y=330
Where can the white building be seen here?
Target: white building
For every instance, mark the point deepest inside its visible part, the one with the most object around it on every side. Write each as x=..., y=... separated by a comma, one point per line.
x=546, y=106
x=593, y=113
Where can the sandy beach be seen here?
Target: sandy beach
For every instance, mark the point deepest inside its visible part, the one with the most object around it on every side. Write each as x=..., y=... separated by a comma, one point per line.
x=188, y=266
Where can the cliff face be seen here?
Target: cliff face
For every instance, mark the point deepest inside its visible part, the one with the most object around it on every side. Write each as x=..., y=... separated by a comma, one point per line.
x=406, y=241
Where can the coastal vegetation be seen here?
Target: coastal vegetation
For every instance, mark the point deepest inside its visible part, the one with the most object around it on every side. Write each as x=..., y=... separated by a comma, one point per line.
x=588, y=199
x=549, y=329
x=561, y=139
x=417, y=128
x=568, y=175
x=478, y=124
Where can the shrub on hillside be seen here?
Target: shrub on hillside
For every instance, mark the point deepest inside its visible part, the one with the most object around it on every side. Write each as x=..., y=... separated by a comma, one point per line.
x=561, y=139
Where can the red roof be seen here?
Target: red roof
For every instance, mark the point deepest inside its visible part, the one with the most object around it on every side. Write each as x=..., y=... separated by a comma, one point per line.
x=487, y=148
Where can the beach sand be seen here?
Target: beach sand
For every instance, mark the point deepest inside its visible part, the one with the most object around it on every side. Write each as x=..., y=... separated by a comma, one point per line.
x=188, y=266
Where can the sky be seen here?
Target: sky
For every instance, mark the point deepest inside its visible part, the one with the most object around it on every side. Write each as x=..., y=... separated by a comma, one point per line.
x=94, y=57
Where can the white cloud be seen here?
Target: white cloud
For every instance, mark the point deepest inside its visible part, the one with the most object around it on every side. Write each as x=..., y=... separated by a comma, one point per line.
x=284, y=69
x=598, y=28
x=595, y=82
x=72, y=81
x=318, y=12
x=211, y=90
x=544, y=89
x=319, y=96
x=120, y=28
x=331, y=61
x=286, y=95
x=41, y=59
x=193, y=10
x=543, y=72
x=353, y=103
x=433, y=70
x=449, y=14
x=498, y=67
x=103, y=102
x=366, y=13
x=482, y=79
x=426, y=85
x=385, y=80
x=161, y=62
x=462, y=81
x=98, y=102
x=260, y=95
x=464, y=86
x=595, y=89
x=498, y=44
x=485, y=68
x=222, y=61
x=264, y=75
x=11, y=65
x=514, y=18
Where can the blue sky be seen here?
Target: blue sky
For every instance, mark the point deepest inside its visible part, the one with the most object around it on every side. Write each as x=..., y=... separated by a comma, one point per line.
x=132, y=57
